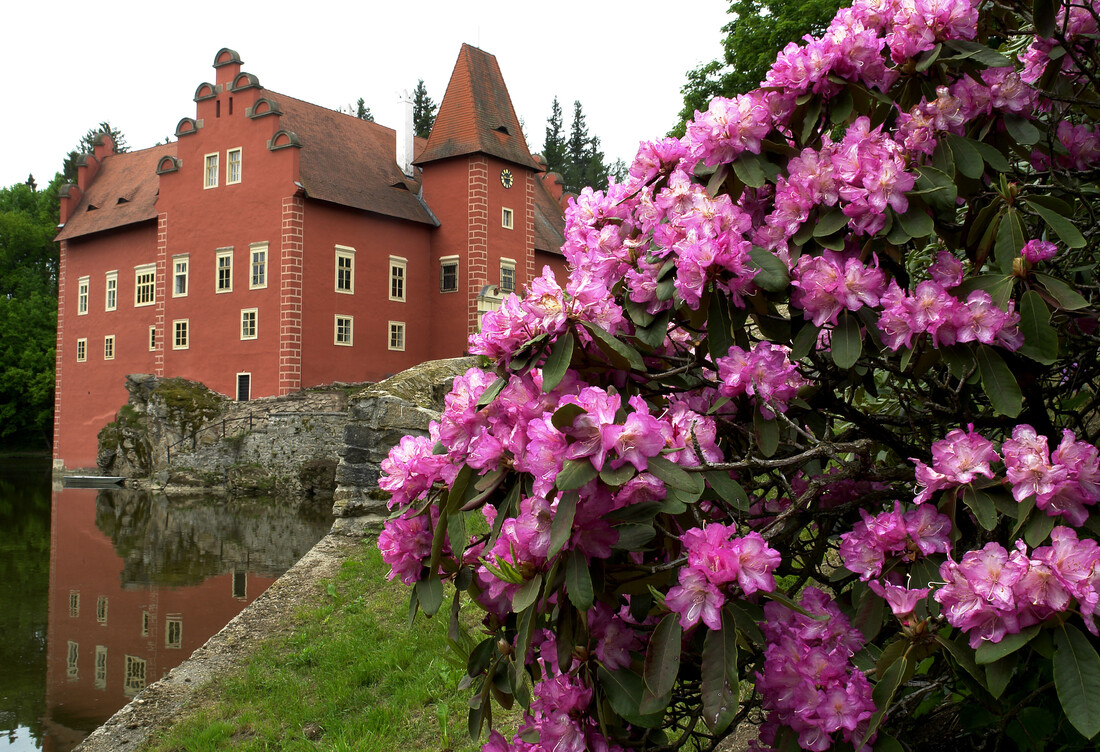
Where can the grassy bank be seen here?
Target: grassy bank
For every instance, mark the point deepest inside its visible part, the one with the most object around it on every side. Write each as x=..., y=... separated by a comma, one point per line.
x=351, y=676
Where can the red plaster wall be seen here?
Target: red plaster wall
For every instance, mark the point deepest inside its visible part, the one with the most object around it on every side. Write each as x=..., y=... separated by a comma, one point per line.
x=446, y=191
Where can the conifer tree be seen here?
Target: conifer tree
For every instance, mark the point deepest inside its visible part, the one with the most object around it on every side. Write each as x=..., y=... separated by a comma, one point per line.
x=424, y=110
x=553, y=146
x=362, y=111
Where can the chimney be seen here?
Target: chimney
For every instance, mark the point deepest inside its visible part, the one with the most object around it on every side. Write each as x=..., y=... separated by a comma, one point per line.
x=405, y=134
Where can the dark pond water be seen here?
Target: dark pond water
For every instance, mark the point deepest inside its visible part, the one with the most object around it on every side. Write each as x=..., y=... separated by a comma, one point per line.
x=103, y=592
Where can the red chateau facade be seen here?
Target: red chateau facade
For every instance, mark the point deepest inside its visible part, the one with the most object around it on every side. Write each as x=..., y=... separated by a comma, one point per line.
x=278, y=245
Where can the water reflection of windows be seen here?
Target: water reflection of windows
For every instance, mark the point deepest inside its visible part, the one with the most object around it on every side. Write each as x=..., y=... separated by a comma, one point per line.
x=71, y=668
x=144, y=623
x=173, y=631
x=134, y=681
x=240, y=584
x=101, y=610
x=74, y=603
x=101, y=667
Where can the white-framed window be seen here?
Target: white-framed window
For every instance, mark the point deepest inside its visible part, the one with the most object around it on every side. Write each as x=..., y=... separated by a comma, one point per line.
x=397, y=335
x=448, y=274
x=258, y=278
x=144, y=623
x=152, y=337
x=101, y=667
x=506, y=218
x=345, y=269
x=180, y=272
x=343, y=330
x=110, y=302
x=210, y=171
x=248, y=323
x=180, y=334
x=173, y=631
x=82, y=286
x=507, y=275
x=81, y=350
x=101, y=609
x=145, y=285
x=72, y=669
x=397, y=278
x=233, y=166
x=134, y=681
x=223, y=279
x=109, y=347
x=74, y=604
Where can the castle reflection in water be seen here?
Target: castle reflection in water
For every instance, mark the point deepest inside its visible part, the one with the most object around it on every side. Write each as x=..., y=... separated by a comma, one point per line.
x=138, y=582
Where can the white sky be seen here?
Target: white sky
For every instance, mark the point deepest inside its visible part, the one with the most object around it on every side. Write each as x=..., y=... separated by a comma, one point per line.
x=67, y=65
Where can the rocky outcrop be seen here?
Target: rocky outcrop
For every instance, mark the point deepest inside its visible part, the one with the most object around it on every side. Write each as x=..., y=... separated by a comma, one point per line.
x=378, y=418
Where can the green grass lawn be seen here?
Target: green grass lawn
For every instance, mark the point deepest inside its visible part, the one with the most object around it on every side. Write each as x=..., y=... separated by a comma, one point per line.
x=352, y=676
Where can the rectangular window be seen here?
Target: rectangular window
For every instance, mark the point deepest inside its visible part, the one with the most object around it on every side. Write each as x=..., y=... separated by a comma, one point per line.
x=210, y=174
x=259, y=266
x=145, y=285
x=345, y=269
x=224, y=280
x=81, y=350
x=111, y=302
x=71, y=668
x=343, y=334
x=144, y=623
x=397, y=335
x=179, y=276
x=180, y=339
x=135, y=676
x=240, y=584
x=448, y=274
x=101, y=609
x=233, y=166
x=506, y=219
x=507, y=275
x=101, y=667
x=74, y=604
x=152, y=337
x=248, y=323
x=82, y=295
x=244, y=387
x=397, y=278
x=109, y=347
x=173, y=631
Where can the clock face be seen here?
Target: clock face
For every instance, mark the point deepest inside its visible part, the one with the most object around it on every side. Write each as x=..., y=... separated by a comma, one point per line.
x=506, y=178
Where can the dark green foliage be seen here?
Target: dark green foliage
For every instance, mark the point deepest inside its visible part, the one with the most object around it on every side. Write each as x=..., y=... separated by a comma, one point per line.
x=28, y=312
x=758, y=31
x=553, y=146
x=362, y=111
x=424, y=110
x=579, y=160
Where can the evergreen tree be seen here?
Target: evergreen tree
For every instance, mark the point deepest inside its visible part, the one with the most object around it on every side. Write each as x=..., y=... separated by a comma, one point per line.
x=362, y=111
x=424, y=110
x=553, y=145
x=87, y=146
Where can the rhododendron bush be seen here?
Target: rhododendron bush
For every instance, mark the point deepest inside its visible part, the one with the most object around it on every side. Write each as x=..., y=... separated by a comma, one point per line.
x=807, y=439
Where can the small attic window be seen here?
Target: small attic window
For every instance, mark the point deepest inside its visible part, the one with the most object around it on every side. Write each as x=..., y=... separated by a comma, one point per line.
x=400, y=185
x=91, y=207
x=502, y=129
x=123, y=200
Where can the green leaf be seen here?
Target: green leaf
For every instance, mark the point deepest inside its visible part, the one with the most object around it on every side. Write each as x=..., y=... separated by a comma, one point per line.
x=998, y=286
x=662, y=656
x=883, y=695
x=1045, y=15
x=578, y=580
x=991, y=155
x=968, y=160
x=561, y=354
x=1040, y=339
x=978, y=52
x=1038, y=528
x=1061, y=225
x=720, y=685
x=429, y=592
x=728, y=489
x=830, y=222
x=1066, y=297
x=748, y=170
x=633, y=536
x=623, y=689
x=613, y=346
x=937, y=188
x=989, y=652
x=561, y=528
x=456, y=533
x=773, y=274
x=574, y=474
x=767, y=433
x=719, y=326
x=998, y=674
x=868, y=616
x=847, y=341
x=963, y=656
x=916, y=222
x=1021, y=129
x=674, y=475
x=486, y=397
x=1010, y=239
x=981, y=504
x=999, y=383
x=805, y=341
x=887, y=743
x=616, y=477
x=1077, y=679
x=566, y=414
x=527, y=594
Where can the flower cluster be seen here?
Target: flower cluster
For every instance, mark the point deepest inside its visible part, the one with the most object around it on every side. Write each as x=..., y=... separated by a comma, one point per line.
x=1062, y=481
x=934, y=311
x=718, y=558
x=957, y=459
x=765, y=373
x=828, y=284
x=917, y=532
x=809, y=683
x=991, y=593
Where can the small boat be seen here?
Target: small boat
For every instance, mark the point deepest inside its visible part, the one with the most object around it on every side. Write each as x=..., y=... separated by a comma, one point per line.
x=93, y=481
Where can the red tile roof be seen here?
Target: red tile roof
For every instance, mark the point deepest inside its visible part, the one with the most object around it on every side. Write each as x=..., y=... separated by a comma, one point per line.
x=476, y=115
x=123, y=192
x=549, y=222
x=351, y=162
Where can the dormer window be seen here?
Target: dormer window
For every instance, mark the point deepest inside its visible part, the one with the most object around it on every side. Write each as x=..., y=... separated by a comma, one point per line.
x=210, y=173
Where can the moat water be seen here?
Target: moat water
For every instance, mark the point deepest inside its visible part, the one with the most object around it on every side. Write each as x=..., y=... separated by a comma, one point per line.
x=103, y=592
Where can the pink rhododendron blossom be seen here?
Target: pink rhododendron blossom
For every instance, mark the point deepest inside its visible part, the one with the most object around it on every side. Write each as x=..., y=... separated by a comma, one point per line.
x=1035, y=251
x=826, y=285
x=695, y=599
x=901, y=600
x=957, y=460
x=405, y=543
x=917, y=532
x=1063, y=483
x=765, y=373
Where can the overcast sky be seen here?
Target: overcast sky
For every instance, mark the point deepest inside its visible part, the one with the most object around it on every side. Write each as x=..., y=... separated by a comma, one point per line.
x=69, y=65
